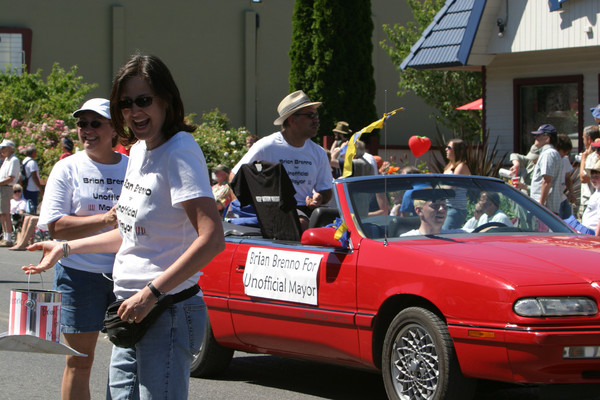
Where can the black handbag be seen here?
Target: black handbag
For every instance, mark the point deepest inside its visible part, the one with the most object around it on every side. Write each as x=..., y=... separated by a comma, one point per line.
x=124, y=334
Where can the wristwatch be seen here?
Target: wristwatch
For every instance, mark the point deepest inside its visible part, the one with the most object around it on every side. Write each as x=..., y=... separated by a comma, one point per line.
x=154, y=290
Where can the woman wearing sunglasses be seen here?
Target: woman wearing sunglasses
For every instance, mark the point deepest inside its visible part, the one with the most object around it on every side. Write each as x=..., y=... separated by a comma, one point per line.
x=456, y=153
x=28, y=222
x=79, y=201
x=169, y=228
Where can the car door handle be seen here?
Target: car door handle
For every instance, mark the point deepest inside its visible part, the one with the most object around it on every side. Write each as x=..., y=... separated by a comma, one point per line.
x=240, y=268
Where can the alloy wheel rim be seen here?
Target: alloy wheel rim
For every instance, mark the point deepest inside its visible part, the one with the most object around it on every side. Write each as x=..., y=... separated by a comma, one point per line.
x=414, y=364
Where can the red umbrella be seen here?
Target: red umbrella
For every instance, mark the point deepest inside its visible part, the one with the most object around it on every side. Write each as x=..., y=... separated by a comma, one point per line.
x=474, y=105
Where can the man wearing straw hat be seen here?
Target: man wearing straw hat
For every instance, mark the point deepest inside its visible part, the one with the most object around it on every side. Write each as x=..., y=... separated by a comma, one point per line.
x=305, y=161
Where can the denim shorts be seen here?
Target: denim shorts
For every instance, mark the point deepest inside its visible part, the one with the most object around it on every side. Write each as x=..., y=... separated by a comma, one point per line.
x=85, y=297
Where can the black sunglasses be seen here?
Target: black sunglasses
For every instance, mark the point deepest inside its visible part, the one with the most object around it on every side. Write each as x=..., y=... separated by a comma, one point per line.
x=94, y=124
x=141, y=101
x=309, y=115
x=17, y=191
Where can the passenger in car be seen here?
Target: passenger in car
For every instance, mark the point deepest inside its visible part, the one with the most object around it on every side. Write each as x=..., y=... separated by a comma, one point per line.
x=306, y=162
x=490, y=204
x=478, y=218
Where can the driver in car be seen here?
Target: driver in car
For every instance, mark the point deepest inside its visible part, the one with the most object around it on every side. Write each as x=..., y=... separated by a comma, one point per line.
x=430, y=206
x=490, y=204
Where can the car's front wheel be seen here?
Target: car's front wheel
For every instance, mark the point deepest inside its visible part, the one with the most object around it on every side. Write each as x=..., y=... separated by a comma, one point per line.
x=212, y=358
x=418, y=360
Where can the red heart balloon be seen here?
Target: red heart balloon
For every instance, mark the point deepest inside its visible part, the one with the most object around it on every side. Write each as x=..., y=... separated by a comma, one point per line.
x=419, y=145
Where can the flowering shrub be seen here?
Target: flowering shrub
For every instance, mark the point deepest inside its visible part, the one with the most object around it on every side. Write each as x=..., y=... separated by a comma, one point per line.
x=220, y=143
x=45, y=136
x=30, y=97
x=37, y=111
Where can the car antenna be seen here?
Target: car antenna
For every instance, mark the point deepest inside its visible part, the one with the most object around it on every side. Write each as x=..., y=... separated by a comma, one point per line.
x=387, y=218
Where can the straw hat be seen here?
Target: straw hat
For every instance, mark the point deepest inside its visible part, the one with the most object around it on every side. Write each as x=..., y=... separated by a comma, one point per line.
x=343, y=128
x=292, y=103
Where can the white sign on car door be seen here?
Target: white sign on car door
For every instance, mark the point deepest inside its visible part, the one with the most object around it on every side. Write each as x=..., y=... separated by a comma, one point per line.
x=282, y=275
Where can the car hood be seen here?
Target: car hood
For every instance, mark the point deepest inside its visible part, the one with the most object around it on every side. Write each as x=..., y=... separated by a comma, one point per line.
x=521, y=260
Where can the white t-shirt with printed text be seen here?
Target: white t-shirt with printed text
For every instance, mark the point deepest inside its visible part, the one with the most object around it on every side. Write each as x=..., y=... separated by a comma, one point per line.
x=80, y=186
x=307, y=166
x=153, y=224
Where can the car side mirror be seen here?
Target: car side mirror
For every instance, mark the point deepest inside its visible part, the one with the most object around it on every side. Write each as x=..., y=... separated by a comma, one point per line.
x=320, y=237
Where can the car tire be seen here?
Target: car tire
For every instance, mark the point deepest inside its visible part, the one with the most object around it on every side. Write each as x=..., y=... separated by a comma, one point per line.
x=212, y=359
x=419, y=361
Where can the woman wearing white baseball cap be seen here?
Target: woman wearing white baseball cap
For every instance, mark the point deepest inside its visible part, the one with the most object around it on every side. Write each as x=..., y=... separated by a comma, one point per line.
x=79, y=201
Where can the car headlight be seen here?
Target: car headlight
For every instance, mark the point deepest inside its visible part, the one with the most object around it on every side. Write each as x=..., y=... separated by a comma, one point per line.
x=555, y=307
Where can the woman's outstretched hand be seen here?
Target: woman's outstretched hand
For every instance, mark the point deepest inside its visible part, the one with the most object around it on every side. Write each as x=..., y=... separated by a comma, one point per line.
x=52, y=252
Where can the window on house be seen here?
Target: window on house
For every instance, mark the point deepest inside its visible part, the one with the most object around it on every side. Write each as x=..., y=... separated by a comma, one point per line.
x=15, y=49
x=552, y=100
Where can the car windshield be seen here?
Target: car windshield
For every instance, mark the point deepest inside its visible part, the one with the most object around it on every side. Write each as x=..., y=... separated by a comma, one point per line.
x=418, y=205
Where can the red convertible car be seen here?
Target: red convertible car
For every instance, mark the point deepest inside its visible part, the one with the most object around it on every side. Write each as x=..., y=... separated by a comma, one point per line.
x=434, y=296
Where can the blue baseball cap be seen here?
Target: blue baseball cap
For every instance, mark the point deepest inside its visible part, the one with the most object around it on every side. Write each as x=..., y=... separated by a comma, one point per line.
x=546, y=128
x=596, y=111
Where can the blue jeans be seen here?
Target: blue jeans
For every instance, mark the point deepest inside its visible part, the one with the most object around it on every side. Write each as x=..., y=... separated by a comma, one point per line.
x=159, y=365
x=455, y=219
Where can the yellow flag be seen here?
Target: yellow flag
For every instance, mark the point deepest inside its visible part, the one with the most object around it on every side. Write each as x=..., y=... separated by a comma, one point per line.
x=340, y=231
x=351, y=147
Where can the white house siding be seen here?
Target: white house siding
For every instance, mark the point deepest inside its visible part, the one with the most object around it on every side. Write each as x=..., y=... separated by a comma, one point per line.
x=531, y=26
x=502, y=71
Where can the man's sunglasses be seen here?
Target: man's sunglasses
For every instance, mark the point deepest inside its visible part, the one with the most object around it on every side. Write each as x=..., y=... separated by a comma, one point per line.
x=141, y=102
x=94, y=124
x=312, y=115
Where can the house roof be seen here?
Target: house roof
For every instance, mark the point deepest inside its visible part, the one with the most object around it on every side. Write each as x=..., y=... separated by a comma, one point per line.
x=448, y=40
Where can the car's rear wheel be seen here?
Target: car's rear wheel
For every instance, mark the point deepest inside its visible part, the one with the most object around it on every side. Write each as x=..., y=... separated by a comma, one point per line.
x=418, y=360
x=212, y=359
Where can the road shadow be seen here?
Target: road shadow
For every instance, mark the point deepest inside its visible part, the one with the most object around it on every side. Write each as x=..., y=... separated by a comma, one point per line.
x=338, y=382
x=306, y=377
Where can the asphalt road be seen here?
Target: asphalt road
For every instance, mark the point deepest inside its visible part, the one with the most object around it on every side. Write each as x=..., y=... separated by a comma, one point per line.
x=250, y=377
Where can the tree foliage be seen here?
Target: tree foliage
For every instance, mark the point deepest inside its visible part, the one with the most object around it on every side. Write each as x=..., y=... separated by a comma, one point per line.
x=28, y=97
x=220, y=142
x=331, y=60
x=38, y=112
x=443, y=90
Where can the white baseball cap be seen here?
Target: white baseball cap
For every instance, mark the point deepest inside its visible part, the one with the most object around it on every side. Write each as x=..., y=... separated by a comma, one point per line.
x=7, y=143
x=98, y=105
